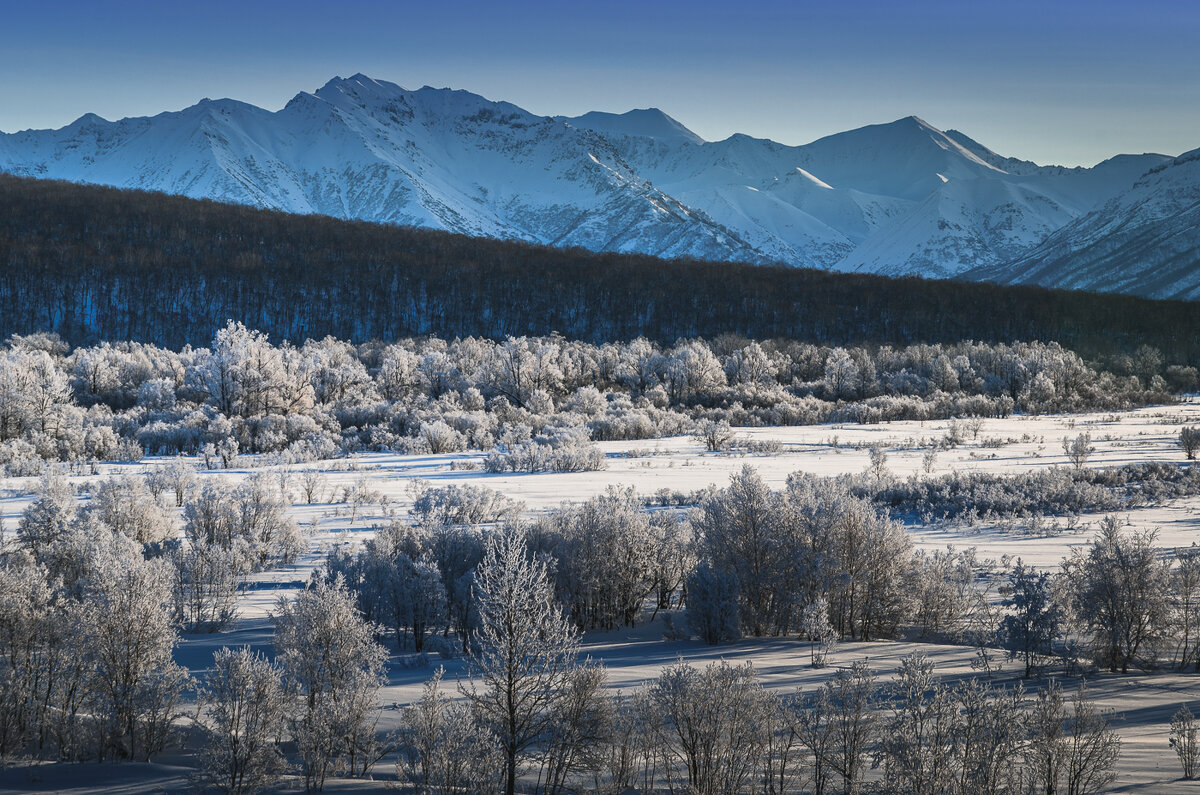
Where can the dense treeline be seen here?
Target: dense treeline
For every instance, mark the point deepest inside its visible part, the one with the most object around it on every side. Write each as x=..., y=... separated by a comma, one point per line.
x=536, y=403
x=96, y=263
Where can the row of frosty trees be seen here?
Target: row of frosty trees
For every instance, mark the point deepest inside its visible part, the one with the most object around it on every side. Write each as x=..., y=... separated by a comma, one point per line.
x=532, y=716
x=330, y=397
x=91, y=598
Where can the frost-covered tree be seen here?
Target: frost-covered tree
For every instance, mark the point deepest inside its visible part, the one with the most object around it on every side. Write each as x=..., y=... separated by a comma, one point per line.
x=917, y=741
x=525, y=648
x=124, y=505
x=715, y=725
x=1189, y=440
x=245, y=376
x=128, y=638
x=841, y=375
x=204, y=583
x=176, y=478
x=816, y=734
x=1184, y=602
x=606, y=558
x=854, y=723
x=715, y=436
x=1119, y=589
x=43, y=676
x=251, y=517
x=334, y=667
x=712, y=610
x=243, y=712
x=1185, y=739
x=738, y=531
x=1078, y=450
x=1029, y=630
x=1071, y=749
x=447, y=749
x=690, y=369
x=581, y=727
x=335, y=372
x=48, y=518
x=818, y=630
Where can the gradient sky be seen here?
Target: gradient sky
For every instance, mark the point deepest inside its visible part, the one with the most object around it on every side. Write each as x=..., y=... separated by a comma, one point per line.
x=1067, y=82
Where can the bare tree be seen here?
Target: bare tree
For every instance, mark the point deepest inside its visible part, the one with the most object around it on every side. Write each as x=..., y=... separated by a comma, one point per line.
x=1189, y=440
x=715, y=727
x=1078, y=450
x=525, y=648
x=852, y=697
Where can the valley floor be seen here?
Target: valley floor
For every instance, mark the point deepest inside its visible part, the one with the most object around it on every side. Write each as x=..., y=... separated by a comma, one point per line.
x=1144, y=703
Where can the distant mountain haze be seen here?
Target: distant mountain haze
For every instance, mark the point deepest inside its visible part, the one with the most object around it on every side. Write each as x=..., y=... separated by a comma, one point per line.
x=901, y=198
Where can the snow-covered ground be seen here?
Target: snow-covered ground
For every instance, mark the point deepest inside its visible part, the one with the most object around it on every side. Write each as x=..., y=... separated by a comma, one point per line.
x=1008, y=445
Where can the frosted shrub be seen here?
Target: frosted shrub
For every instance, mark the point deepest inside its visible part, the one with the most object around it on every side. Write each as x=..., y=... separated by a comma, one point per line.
x=562, y=450
x=243, y=719
x=19, y=459
x=1185, y=739
x=462, y=505
x=441, y=438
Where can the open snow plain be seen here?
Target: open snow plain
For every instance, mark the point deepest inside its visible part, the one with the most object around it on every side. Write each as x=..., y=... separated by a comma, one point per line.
x=1144, y=702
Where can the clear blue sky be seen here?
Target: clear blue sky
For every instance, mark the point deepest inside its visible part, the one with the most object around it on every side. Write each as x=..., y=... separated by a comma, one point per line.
x=1067, y=82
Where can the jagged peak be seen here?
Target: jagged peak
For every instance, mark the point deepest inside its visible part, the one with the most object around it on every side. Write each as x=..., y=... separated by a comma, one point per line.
x=359, y=85
x=88, y=120
x=641, y=122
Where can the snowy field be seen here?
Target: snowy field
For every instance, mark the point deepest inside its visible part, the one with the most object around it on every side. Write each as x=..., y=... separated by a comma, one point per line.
x=1010, y=445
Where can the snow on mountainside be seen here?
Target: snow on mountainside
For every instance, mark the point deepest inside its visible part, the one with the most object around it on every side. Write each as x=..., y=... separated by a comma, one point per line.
x=1144, y=241
x=643, y=123
x=897, y=198
x=360, y=148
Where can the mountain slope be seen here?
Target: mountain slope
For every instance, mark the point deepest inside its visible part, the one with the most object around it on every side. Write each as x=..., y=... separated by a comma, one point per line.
x=1145, y=241
x=360, y=148
x=899, y=198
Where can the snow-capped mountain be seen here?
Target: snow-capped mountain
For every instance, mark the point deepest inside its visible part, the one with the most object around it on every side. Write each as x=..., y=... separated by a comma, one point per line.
x=366, y=149
x=898, y=198
x=1145, y=241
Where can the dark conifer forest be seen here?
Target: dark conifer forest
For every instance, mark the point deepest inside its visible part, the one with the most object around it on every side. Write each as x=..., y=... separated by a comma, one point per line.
x=94, y=263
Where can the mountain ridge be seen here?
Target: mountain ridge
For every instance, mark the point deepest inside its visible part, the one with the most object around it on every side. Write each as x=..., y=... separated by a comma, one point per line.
x=900, y=198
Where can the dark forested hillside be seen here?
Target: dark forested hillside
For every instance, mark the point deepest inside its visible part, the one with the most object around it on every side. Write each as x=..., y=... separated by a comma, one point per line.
x=98, y=263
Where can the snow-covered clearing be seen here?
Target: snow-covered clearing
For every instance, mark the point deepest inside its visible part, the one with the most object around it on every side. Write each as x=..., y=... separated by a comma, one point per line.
x=1009, y=445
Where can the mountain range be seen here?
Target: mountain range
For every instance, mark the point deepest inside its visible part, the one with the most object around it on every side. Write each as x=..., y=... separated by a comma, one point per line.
x=902, y=198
